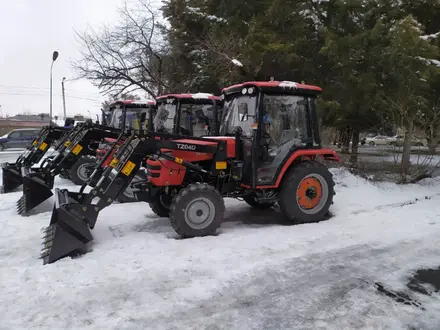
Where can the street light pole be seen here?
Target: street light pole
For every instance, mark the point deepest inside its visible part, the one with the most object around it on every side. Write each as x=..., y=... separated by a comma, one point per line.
x=64, y=98
x=54, y=58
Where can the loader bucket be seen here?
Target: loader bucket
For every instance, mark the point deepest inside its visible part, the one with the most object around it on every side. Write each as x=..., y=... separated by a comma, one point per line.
x=12, y=178
x=37, y=187
x=68, y=232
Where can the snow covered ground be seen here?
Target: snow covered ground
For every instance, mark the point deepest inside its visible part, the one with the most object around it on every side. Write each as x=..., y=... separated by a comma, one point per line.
x=258, y=273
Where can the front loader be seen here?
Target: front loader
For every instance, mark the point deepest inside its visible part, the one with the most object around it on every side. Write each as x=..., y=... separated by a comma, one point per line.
x=74, y=214
x=78, y=151
x=38, y=183
x=120, y=114
x=197, y=114
x=34, y=153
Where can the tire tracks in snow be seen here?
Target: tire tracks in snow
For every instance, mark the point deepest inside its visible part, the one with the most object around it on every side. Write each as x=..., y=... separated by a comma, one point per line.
x=394, y=205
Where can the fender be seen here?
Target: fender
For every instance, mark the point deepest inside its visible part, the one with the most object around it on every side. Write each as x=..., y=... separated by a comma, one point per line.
x=327, y=154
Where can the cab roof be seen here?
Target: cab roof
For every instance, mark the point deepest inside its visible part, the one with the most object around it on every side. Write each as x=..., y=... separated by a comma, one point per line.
x=287, y=87
x=188, y=96
x=133, y=102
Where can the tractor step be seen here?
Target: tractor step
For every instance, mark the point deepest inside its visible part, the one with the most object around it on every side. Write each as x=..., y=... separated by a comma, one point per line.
x=68, y=232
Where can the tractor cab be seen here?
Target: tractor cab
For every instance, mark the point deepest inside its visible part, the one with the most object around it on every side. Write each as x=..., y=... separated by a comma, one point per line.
x=132, y=114
x=188, y=114
x=273, y=119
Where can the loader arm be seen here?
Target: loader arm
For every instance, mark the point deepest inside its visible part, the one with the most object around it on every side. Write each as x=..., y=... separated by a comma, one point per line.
x=38, y=184
x=35, y=151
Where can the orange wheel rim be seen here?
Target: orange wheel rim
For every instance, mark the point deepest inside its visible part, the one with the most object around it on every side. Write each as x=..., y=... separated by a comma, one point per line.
x=309, y=193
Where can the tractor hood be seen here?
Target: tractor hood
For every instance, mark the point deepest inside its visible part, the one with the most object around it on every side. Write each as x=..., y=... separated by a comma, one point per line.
x=192, y=156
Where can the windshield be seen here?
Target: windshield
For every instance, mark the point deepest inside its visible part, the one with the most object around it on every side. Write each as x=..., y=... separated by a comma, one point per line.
x=132, y=120
x=240, y=111
x=164, y=119
x=194, y=118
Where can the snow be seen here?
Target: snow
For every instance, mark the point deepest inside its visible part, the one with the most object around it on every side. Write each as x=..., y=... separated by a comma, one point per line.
x=144, y=101
x=258, y=273
x=197, y=11
x=202, y=96
x=435, y=62
x=236, y=62
x=429, y=61
x=216, y=19
x=288, y=84
x=430, y=36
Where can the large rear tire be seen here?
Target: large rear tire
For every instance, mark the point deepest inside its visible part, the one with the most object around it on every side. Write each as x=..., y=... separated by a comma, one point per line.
x=307, y=192
x=128, y=195
x=79, y=172
x=197, y=210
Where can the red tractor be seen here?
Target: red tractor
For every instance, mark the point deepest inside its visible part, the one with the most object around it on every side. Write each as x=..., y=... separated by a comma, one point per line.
x=268, y=151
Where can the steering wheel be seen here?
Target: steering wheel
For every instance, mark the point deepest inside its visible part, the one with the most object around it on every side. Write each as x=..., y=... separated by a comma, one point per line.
x=266, y=136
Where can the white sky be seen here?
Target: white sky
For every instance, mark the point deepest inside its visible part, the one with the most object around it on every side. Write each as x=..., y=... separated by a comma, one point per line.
x=30, y=30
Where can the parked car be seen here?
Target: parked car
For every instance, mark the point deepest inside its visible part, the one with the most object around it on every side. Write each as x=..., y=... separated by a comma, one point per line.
x=415, y=141
x=18, y=138
x=377, y=140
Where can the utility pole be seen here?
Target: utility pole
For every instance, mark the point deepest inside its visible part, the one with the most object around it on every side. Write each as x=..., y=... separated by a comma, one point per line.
x=64, y=98
x=54, y=58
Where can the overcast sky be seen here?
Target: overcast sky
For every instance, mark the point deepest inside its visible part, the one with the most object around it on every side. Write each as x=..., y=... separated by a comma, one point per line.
x=30, y=30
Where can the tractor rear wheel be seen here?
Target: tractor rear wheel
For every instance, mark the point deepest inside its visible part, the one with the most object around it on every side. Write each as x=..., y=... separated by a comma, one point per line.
x=197, y=210
x=80, y=172
x=250, y=200
x=307, y=192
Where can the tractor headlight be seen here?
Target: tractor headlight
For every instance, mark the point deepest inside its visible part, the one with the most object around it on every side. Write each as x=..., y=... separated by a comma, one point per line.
x=250, y=90
x=244, y=91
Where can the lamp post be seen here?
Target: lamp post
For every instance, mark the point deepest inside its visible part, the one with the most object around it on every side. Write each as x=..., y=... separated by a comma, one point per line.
x=54, y=58
x=64, y=97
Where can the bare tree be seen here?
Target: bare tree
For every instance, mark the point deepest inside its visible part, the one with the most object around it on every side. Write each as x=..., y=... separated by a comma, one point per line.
x=126, y=57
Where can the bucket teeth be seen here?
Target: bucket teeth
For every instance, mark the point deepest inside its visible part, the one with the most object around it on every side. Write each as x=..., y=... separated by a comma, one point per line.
x=65, y=236
x=34, y=193
x=21, y=205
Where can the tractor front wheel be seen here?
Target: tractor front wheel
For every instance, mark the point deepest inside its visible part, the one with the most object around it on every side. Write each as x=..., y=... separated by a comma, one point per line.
x=80, y=172
x=250, y=200
x=197, y=210
x=307, y=192
x=160, y=205
x=128, y=195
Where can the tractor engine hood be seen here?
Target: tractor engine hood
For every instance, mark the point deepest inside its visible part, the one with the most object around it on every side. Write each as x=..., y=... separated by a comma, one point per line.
x=193, y=156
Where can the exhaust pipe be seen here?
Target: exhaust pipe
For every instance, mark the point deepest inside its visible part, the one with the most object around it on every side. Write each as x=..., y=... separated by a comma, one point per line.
x=37, y=187
x=68, y=233
x=12, y=178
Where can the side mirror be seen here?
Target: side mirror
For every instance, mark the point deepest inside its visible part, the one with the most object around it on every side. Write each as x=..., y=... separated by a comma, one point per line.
x=243, y=112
